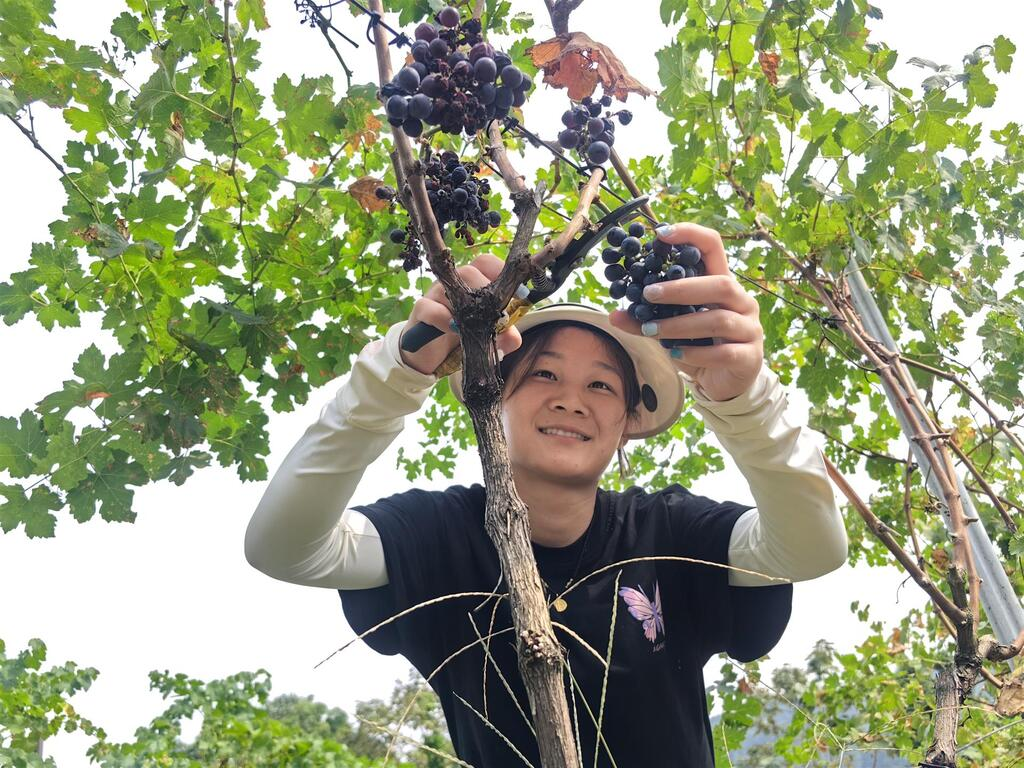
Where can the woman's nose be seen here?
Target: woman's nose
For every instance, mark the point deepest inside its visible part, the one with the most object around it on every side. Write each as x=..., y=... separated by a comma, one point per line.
x=576, y=409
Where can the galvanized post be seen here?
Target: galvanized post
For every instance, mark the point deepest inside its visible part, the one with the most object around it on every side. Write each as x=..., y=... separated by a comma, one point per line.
x=1001, y=604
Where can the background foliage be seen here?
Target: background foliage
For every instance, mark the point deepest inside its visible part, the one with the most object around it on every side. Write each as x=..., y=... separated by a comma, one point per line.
x=211, y=227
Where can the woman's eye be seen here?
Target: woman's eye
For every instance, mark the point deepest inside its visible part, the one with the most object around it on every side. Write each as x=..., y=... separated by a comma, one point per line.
x=542, y=371
x=606, y=386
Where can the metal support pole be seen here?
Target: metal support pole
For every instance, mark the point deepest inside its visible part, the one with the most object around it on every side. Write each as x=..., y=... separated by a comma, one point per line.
x=1001, y=604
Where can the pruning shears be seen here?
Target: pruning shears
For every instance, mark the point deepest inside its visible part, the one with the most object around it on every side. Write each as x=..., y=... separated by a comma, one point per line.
x=524, y=300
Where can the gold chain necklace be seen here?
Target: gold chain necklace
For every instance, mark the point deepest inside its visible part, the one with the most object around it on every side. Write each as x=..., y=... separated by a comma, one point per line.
x=560, y=604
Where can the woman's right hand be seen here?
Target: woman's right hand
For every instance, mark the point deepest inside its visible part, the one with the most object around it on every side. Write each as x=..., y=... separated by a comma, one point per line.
x=434, y=308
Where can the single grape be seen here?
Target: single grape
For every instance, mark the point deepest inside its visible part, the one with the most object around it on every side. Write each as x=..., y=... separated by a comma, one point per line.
x=662, y=248
x=654, y=262
x=397, y=235
x=420, y=50
x=455, y=57
x=595, y=126
x=481, y=51
x=595, y=110
x=420, y=106
x=462, y=69
x=637, y=270
x=426, y=31
x=644, y=312
x=432, y=86
x=606, y=101
x=502, y=60
x=690, y=271
x=607, y=138
x=448, y=17
x=630, y=245
x=395, y=121
x=654, y=277
x=504, y=97
x=614, y=272
x=568, y=138
x=582, y=116
x=687, y=255
x=625, y=117
x=493, y=218
x=617, y=289
x=611, y=255
x=615, y=236
x=637, y=229
x=598, y=152
x=421, y=69
x=635, y=292
x=511, y=76
x=485, y=69
x=458, y=175
x=409, y=79
x=569, y=119
x=486, y=93
x=526, y=85
x=438, y=48
x=384, y=192
x=397, y=107
x=676, y=272
x=460, y=196
x=519, y=98
x=412, y=127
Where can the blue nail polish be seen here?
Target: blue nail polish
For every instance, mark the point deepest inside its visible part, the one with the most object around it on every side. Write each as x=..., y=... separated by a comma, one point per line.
x=677, y=353
x=522, y=292
x=663, y=230
x=454, y=325
x=650, y=328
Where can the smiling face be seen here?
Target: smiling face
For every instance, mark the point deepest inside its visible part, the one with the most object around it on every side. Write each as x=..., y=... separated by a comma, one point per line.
x=573, y=384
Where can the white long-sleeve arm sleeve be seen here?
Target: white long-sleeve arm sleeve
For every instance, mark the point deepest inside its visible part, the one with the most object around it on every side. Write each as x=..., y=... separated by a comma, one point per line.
x=796, y=530
x=301, y=531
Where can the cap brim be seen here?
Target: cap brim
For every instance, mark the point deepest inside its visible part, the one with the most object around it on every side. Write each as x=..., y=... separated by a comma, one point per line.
x=662, y=385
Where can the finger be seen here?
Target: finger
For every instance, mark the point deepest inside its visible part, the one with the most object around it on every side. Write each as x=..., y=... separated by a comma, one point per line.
x=433, y=313
x=727, y=356
x=723, y=324
x=488, y=265
x=509, y=340
x=721, y=290
x=707, y=241
x=470, y=275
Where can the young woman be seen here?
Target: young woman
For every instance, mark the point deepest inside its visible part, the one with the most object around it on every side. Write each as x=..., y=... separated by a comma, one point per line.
x=578, y=384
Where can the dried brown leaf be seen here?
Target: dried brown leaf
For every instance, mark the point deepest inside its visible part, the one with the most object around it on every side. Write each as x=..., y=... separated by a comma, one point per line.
x=364, y=190
x=769, y=62
x=577, y=63
x=1011, y=695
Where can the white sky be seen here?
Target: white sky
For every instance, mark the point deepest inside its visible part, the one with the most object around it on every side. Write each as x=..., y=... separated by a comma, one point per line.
x=173, y=590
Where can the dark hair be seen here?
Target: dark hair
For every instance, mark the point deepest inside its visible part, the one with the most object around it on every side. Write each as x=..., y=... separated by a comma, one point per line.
x=538, y=338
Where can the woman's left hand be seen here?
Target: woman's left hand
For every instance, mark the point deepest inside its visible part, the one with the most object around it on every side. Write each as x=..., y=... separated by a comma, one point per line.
x=731, y=366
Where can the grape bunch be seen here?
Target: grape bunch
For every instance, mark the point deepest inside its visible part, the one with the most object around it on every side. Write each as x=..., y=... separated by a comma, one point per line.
x=456, y=80
x=588, y=132
x=457, y=195
x=634, y=264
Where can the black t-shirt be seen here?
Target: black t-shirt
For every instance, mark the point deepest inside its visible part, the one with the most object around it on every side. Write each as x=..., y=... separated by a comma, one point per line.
x=655, y=707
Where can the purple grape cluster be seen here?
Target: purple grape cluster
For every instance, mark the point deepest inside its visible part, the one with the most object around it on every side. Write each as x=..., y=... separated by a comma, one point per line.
x=456, y=80
x=634, y=264
x=589, y=132
x=457, y=195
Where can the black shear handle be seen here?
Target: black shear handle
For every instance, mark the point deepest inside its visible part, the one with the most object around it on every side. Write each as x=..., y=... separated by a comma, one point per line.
x=418, y=336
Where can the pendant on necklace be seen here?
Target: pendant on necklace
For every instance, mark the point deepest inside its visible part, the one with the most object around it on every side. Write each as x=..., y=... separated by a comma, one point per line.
x=560, y=605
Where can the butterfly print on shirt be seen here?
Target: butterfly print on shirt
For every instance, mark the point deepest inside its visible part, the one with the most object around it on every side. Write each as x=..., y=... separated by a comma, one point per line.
x=644, y=611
